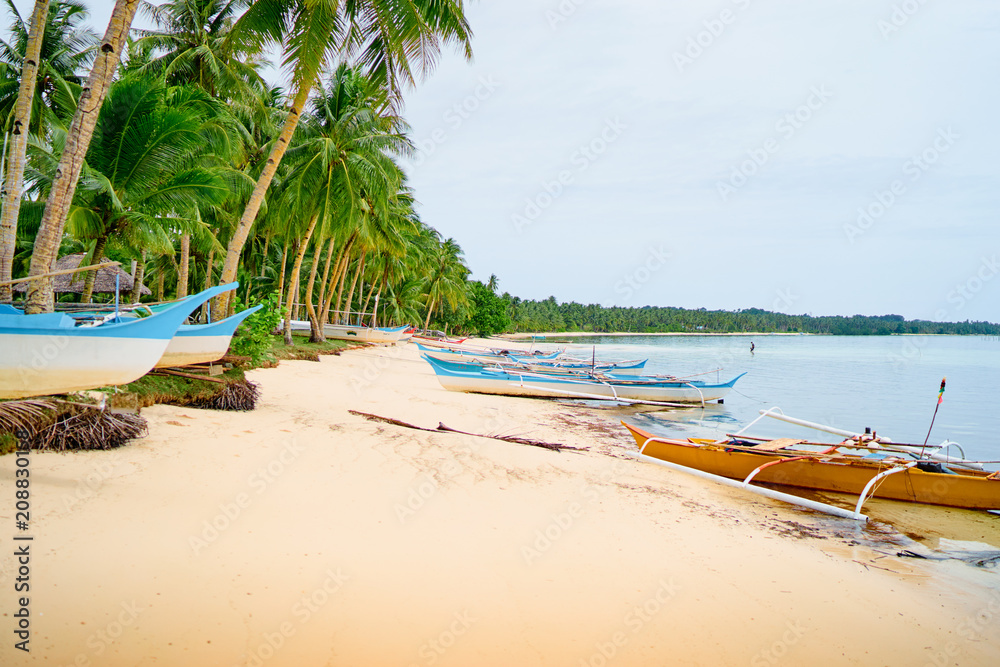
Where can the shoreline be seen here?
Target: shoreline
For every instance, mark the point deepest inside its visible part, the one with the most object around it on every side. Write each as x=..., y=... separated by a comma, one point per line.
x=302, y=534
x=583, y=334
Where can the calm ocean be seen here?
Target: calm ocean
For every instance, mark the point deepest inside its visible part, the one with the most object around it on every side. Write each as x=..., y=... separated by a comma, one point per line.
x=888, y=383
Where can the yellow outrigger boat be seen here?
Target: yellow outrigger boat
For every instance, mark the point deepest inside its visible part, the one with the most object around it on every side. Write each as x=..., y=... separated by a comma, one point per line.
x=852, y=467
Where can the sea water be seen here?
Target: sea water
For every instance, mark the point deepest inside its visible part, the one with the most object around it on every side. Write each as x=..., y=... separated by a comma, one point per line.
x=887, y=383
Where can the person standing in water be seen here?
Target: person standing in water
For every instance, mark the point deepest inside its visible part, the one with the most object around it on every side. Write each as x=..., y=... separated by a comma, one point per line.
x=751, y=347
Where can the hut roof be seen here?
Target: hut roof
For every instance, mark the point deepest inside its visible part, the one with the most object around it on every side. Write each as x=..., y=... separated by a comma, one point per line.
x=103, y=283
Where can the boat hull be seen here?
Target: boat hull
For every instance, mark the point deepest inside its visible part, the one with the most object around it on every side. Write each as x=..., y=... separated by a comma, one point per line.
x=202, y=343
x=510, y=382
x=49, y=354
x=72, y=363
x=971, y=491
x=358, y=333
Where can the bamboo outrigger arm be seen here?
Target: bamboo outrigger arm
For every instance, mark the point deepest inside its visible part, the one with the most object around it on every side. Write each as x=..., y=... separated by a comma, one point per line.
x=934, y=453
x=871, y=484
x=64, y=272
x=761, y=491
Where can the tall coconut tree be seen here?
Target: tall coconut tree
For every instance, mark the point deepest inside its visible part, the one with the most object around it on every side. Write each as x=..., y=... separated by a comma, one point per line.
x=192, y=45
x=388, y=40
x=40, y=296
x=14, y=179
x=148, y=156
x=446, y=278
x=67, y=49
x=343, y=169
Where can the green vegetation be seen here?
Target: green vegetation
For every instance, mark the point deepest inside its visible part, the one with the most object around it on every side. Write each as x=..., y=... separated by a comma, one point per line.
x=488, y=311
x=306, y=350
x=550, y=315
x=8, y=443
x=199, y=173
x=167, y=389
x=253, y=338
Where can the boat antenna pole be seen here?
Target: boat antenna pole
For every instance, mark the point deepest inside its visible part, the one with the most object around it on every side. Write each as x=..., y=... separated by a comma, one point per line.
x=939, y=401
x=593, y=360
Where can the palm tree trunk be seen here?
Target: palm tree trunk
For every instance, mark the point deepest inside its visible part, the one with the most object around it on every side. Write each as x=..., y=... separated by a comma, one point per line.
x=371, y=290
x=242, y=231
x=326, y=272
x=263, y=256
x=182, y=267
x=315, y=328
x=330, y=291
x=159, y=285
x=88, y=282
x=293, y=281
x=339, y=267
x=14, y=180
x=340, y=287
x=207, y=309
x=354, y=282
x=430, y=309
x=281, y=275
x=40, y=298
x=140, y=275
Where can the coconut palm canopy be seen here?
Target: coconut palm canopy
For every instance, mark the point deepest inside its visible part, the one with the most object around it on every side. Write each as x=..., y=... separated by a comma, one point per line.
x=180, y=173
x=103, y=283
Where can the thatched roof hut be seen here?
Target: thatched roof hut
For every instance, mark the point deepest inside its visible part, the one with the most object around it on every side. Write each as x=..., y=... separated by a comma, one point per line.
x=103, y=283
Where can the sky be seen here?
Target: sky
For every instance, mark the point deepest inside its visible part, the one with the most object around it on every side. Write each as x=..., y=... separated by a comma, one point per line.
x=831, y=158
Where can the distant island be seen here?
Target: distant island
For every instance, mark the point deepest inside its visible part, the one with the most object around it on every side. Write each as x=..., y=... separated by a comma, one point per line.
x=551, y=316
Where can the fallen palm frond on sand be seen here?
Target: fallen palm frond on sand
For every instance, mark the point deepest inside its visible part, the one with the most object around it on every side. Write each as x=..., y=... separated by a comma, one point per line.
x=59, y=425
x=554, y=446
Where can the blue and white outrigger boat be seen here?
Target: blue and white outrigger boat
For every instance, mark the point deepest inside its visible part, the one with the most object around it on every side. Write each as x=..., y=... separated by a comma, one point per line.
x=511, y=381
x=52, y=353
x=203, y=343
x=464, y=354
x=358, y=332
x=542, y=365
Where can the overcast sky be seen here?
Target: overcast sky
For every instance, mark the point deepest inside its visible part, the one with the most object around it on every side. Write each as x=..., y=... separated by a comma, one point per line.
x=829, y=157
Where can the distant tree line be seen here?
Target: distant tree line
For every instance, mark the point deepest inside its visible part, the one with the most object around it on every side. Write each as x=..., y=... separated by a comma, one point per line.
x=550, y=315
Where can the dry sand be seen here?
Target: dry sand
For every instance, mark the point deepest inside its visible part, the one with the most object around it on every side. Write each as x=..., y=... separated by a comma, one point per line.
x=300, y=534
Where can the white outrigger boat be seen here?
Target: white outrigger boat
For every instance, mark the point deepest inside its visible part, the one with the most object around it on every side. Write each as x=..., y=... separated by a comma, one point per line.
x=359, y=332
x=52, y=353
x=543, y=365
x=509, y=381
x=203, y=343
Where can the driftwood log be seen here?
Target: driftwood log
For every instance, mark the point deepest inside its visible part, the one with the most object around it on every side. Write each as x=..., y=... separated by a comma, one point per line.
x=554, y=446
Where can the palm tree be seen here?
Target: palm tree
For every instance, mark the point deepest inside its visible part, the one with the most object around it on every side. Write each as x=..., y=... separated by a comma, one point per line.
x=148, y=156
x=15, y=177
x=446, y=280
x=67, y=48
x=193, y=45
x=40, y=297
x=341, y=173
x=386, y=38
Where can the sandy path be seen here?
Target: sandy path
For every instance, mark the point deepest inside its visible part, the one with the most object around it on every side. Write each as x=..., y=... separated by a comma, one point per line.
x=300, y=534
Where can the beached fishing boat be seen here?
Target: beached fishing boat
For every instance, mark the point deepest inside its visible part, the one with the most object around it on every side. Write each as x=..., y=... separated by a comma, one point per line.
x=52, y=353
x=358, y=332
x=424, y=338
x=848, y=467
x=465, y=352
x=457, y=376
x=203, y=343
x=192, y=343
x=542, y=365
x=465, y=349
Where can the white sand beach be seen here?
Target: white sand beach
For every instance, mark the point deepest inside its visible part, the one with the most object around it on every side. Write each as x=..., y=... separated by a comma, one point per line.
x=300, y=534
